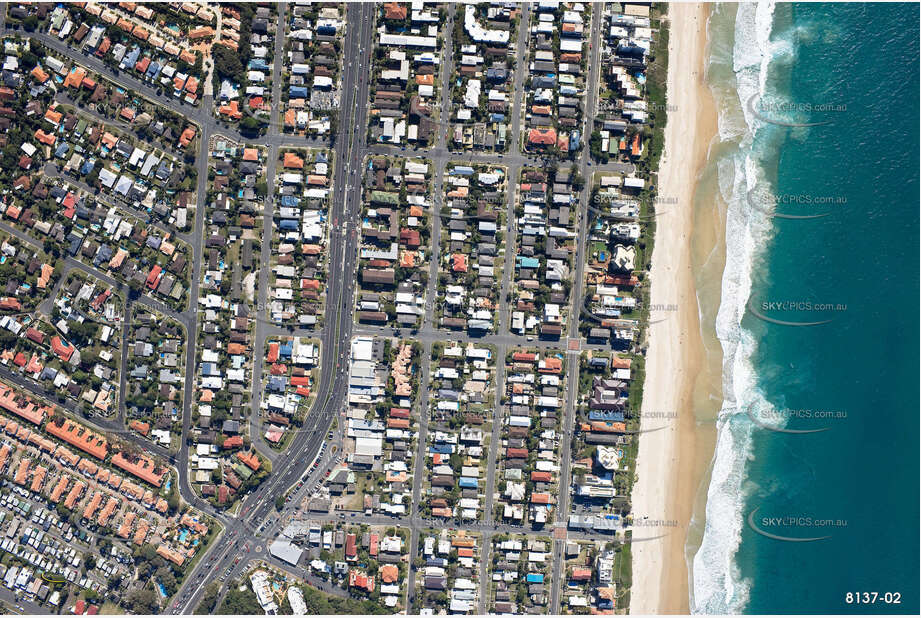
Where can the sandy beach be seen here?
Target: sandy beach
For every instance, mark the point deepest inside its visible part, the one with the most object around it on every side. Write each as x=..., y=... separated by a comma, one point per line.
x=674, y=458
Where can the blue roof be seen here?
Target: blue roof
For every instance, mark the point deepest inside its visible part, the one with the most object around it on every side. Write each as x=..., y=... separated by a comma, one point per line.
x=74, y=245
x=104, y=254
x=132, y=56
x=528, y=262
x=286, y=348
x=298, y=91
x=467, y=482
x=289, y=200
x=288, y=224
x=574, y=140
x=535, y=578
x=208, y=369
x=276, y=384
x=442, y=449
x=449, y=394
x=606, y=415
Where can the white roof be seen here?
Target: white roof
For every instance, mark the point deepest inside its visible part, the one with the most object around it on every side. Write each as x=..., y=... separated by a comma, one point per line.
x=362, y=348
x=369, y=446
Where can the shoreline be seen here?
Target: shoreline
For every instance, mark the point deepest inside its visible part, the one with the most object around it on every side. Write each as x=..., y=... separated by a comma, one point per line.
x=672, y=462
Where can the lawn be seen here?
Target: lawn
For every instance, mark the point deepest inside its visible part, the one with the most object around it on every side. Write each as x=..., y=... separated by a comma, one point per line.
x=110, y=609
x=355, y=502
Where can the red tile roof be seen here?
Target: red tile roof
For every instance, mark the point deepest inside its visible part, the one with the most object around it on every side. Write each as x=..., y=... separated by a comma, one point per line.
x=79, y=436
x=542, y=137
x=61, y=348
x=143, y=468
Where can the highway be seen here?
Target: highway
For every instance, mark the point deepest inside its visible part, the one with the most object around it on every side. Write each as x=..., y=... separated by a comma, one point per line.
x=348, y=155
x=349, y=152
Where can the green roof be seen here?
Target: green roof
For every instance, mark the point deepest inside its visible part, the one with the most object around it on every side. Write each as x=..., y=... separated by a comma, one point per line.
x=242, y=471
x=385, y=197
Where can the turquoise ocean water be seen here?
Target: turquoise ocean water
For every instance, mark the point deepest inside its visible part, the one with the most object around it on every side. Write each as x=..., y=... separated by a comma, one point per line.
x=814, y=488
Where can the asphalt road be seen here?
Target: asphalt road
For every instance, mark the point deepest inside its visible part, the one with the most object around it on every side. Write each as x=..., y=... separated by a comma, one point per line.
x=349, y=152
x=349, y=155
x=246, y=537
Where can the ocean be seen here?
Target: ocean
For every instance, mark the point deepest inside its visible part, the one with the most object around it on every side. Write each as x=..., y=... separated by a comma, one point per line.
x=812, y=504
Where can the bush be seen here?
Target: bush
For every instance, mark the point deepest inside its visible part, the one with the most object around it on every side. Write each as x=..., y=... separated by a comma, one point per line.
x=227, y=63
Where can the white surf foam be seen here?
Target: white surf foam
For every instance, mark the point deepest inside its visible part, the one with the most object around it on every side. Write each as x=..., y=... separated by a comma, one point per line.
x=717, y=585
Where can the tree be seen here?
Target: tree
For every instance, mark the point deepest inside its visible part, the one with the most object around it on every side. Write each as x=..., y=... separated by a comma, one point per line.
x=135, y=287
x=148, y=552
x=240, y=602
x=28, y=60
x=206, y=607
x=142, y=601
x=227, y=63
x=172, y=500
x=63, y=511
x=165, y=576
x=280, y=502
x=250, y=124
